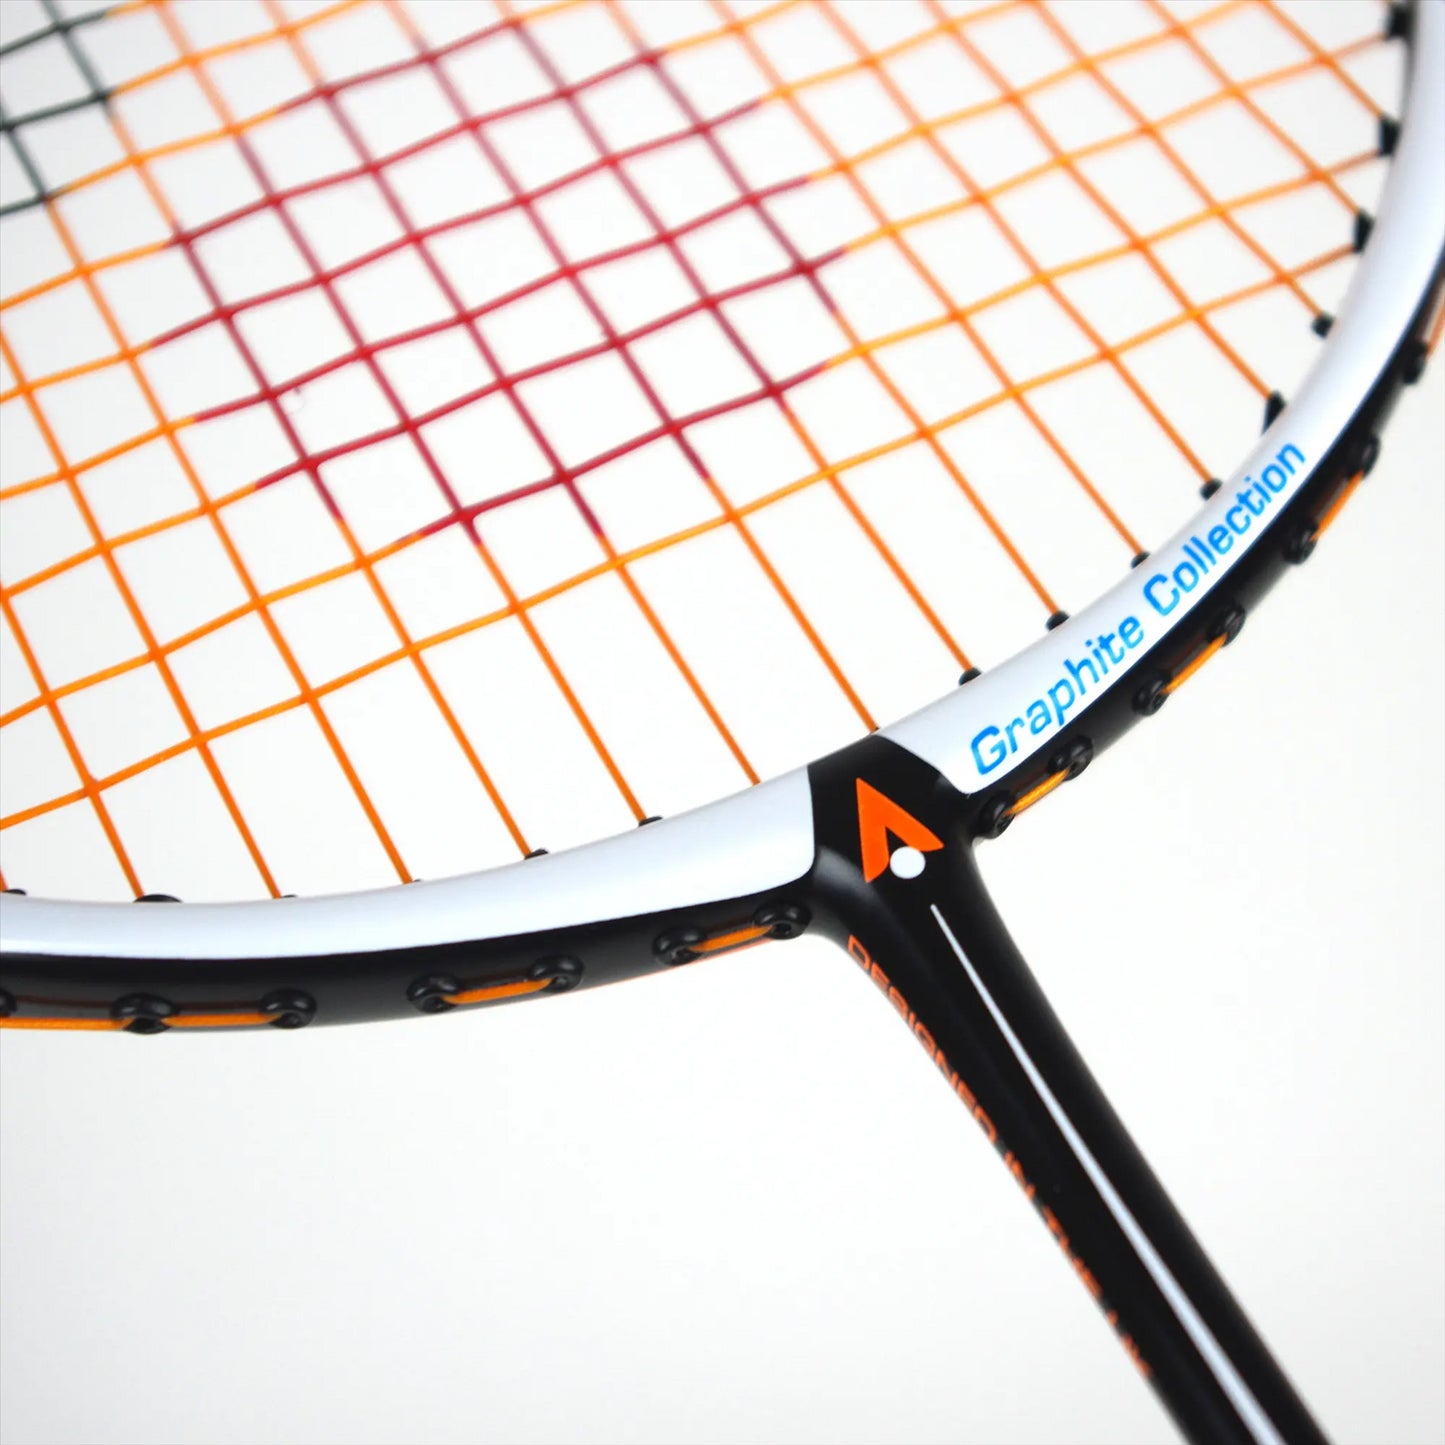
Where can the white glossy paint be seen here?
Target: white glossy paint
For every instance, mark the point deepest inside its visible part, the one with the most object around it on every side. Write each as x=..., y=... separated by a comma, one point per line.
x=743, y=844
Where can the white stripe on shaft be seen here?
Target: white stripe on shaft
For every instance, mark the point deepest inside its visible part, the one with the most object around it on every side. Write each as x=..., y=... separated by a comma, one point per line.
x=1220, y=1365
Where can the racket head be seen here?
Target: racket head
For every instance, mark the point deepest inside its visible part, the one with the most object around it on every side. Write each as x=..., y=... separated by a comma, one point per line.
x=727, y=872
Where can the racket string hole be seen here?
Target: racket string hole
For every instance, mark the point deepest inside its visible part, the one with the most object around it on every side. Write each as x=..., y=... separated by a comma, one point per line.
x=432, y=994
x=157, y=898
x=678, y=945
x=1230, y=625
x=1366, y=456
x=7, y=1000
x=143, y=1013
x=1300, y=545
x=1273, y=405
x=969, y=674
x=1073, y=759
x=1055, y=620
x=1151, y=695
x=995, y=816
x=561, y=972
x=289, y=1008
x=1412, y=367
x=782, y=920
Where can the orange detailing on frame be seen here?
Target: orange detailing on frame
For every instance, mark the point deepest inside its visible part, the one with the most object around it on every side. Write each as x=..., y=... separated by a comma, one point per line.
x=1039, y=791
x=734, y=938
x=123, y=1025
x=495, y=992
x=1333, y=511
x=1194, y=664
x=877, y=818
x=47, y=1022
x=1437, y=328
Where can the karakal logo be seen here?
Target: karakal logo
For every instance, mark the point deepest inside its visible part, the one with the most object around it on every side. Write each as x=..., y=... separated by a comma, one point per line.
x=878, y=819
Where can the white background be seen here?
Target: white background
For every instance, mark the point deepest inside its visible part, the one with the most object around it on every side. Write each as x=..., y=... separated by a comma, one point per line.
x=734, y=1204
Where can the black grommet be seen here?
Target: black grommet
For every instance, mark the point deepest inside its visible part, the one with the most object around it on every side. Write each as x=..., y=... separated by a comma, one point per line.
x=1273, y=405
x=1212, y=486
x=678, y=945
x=1366, y=455
x=994, y=817
x=1073, y=758
x=1364, y=224
x=536, y=853
x=969, y=676
x=782, y=920
x=157, y=898
x=7, y=999
x=289, y=1008
x=1389, y=135
x=1397, y=22
x=1230, y=624
x=1150, y=697
x=1322, y=324
x=1057, y=620
x=431, y=994
x=144, y=1012
x=655, y=818
x=561, y=970
x=1412, y=366
x=1301, y=544
x=1138, y=559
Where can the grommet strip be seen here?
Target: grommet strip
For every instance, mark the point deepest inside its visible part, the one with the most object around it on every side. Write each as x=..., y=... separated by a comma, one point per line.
x=1065, y=764
x=150, y=1014
x=441, y=992
x=494, y=993
x=773, y=920
x=1226, y=631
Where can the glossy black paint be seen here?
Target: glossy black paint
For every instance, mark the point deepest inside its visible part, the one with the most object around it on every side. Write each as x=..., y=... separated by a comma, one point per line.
x=391, y=983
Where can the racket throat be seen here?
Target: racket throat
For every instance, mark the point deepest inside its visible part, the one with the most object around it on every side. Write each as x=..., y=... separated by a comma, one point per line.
x=897, y=886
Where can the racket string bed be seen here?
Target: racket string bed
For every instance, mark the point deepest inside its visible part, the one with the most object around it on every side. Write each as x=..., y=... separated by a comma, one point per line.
x=273, y=394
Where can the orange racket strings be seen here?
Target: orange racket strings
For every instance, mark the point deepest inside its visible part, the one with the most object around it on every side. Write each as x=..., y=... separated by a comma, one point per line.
x=1021, y=77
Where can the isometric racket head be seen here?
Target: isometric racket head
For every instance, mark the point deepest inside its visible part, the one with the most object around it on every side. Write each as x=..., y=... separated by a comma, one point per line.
x=435, y=435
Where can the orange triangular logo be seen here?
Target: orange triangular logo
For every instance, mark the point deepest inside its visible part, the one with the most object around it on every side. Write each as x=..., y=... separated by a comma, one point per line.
x=877, y=818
